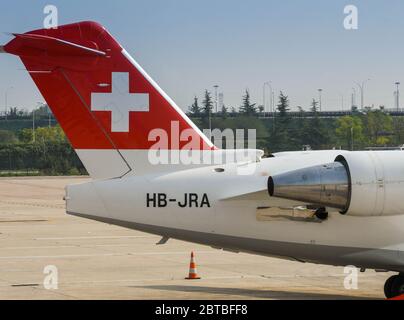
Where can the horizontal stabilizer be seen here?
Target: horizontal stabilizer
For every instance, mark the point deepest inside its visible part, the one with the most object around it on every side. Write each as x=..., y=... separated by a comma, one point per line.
x=53, y=46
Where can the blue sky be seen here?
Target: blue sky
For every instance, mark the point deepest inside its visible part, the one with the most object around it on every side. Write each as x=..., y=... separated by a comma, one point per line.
x=187, y=46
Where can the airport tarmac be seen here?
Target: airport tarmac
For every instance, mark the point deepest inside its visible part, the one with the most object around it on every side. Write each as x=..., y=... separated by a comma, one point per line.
x=100, y=261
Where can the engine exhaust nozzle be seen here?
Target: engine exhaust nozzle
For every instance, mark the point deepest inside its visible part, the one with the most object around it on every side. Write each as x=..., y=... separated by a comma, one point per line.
x=326, y=185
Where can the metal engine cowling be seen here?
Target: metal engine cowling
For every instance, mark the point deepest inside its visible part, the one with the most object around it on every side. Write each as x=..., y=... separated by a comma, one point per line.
x=357, y=183
x=325, y=185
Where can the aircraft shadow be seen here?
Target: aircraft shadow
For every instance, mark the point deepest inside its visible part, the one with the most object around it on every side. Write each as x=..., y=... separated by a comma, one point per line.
x=258, y=294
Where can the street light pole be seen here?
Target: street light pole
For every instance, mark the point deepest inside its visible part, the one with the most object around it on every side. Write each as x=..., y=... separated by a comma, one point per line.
x=398, y=95
x=263, y=98
x=216, y=87
x=319, y=98
x=362, y=88
x=210, y=122
x=353, y=102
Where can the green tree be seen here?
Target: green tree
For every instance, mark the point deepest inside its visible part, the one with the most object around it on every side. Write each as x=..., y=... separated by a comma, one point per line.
x=43, y=135
x=244, y=123
x=42, y=111
x=50, y=158
x=25, y=135
x=281, y=139
x=7, y=137
x=349, y=132
x=314, y=132
x=248, y=108
x=378, y=127
x=313, y=107
x=207, y=106
x=398, y=128
x=261, y=109
x=194, y=109
x=223, y=112
x=283, y=106
x=14, y=113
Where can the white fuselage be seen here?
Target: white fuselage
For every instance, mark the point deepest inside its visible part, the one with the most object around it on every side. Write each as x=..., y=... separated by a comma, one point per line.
x=206, y=206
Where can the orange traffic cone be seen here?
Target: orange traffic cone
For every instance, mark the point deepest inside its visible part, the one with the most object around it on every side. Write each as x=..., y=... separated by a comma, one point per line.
x=193, y=274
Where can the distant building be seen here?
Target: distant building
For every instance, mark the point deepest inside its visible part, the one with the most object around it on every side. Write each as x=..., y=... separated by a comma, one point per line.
x=221, y=101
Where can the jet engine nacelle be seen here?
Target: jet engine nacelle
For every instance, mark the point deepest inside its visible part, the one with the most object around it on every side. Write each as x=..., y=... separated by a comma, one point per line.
x=357, y=184
x=377, y=182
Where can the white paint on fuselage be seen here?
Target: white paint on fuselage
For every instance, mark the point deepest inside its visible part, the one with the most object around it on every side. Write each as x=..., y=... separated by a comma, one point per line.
x=111, y=163
x=125, y=200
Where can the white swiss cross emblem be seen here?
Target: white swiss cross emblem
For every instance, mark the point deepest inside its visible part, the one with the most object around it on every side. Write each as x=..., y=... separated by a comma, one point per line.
x=120, y=102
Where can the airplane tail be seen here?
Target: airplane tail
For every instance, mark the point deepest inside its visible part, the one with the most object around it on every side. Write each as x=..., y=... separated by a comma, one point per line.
x=107, y=105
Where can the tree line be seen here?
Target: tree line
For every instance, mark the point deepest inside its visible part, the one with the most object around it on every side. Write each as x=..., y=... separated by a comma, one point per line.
x=47, y=151
x=367, y=128
x=16, y=113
